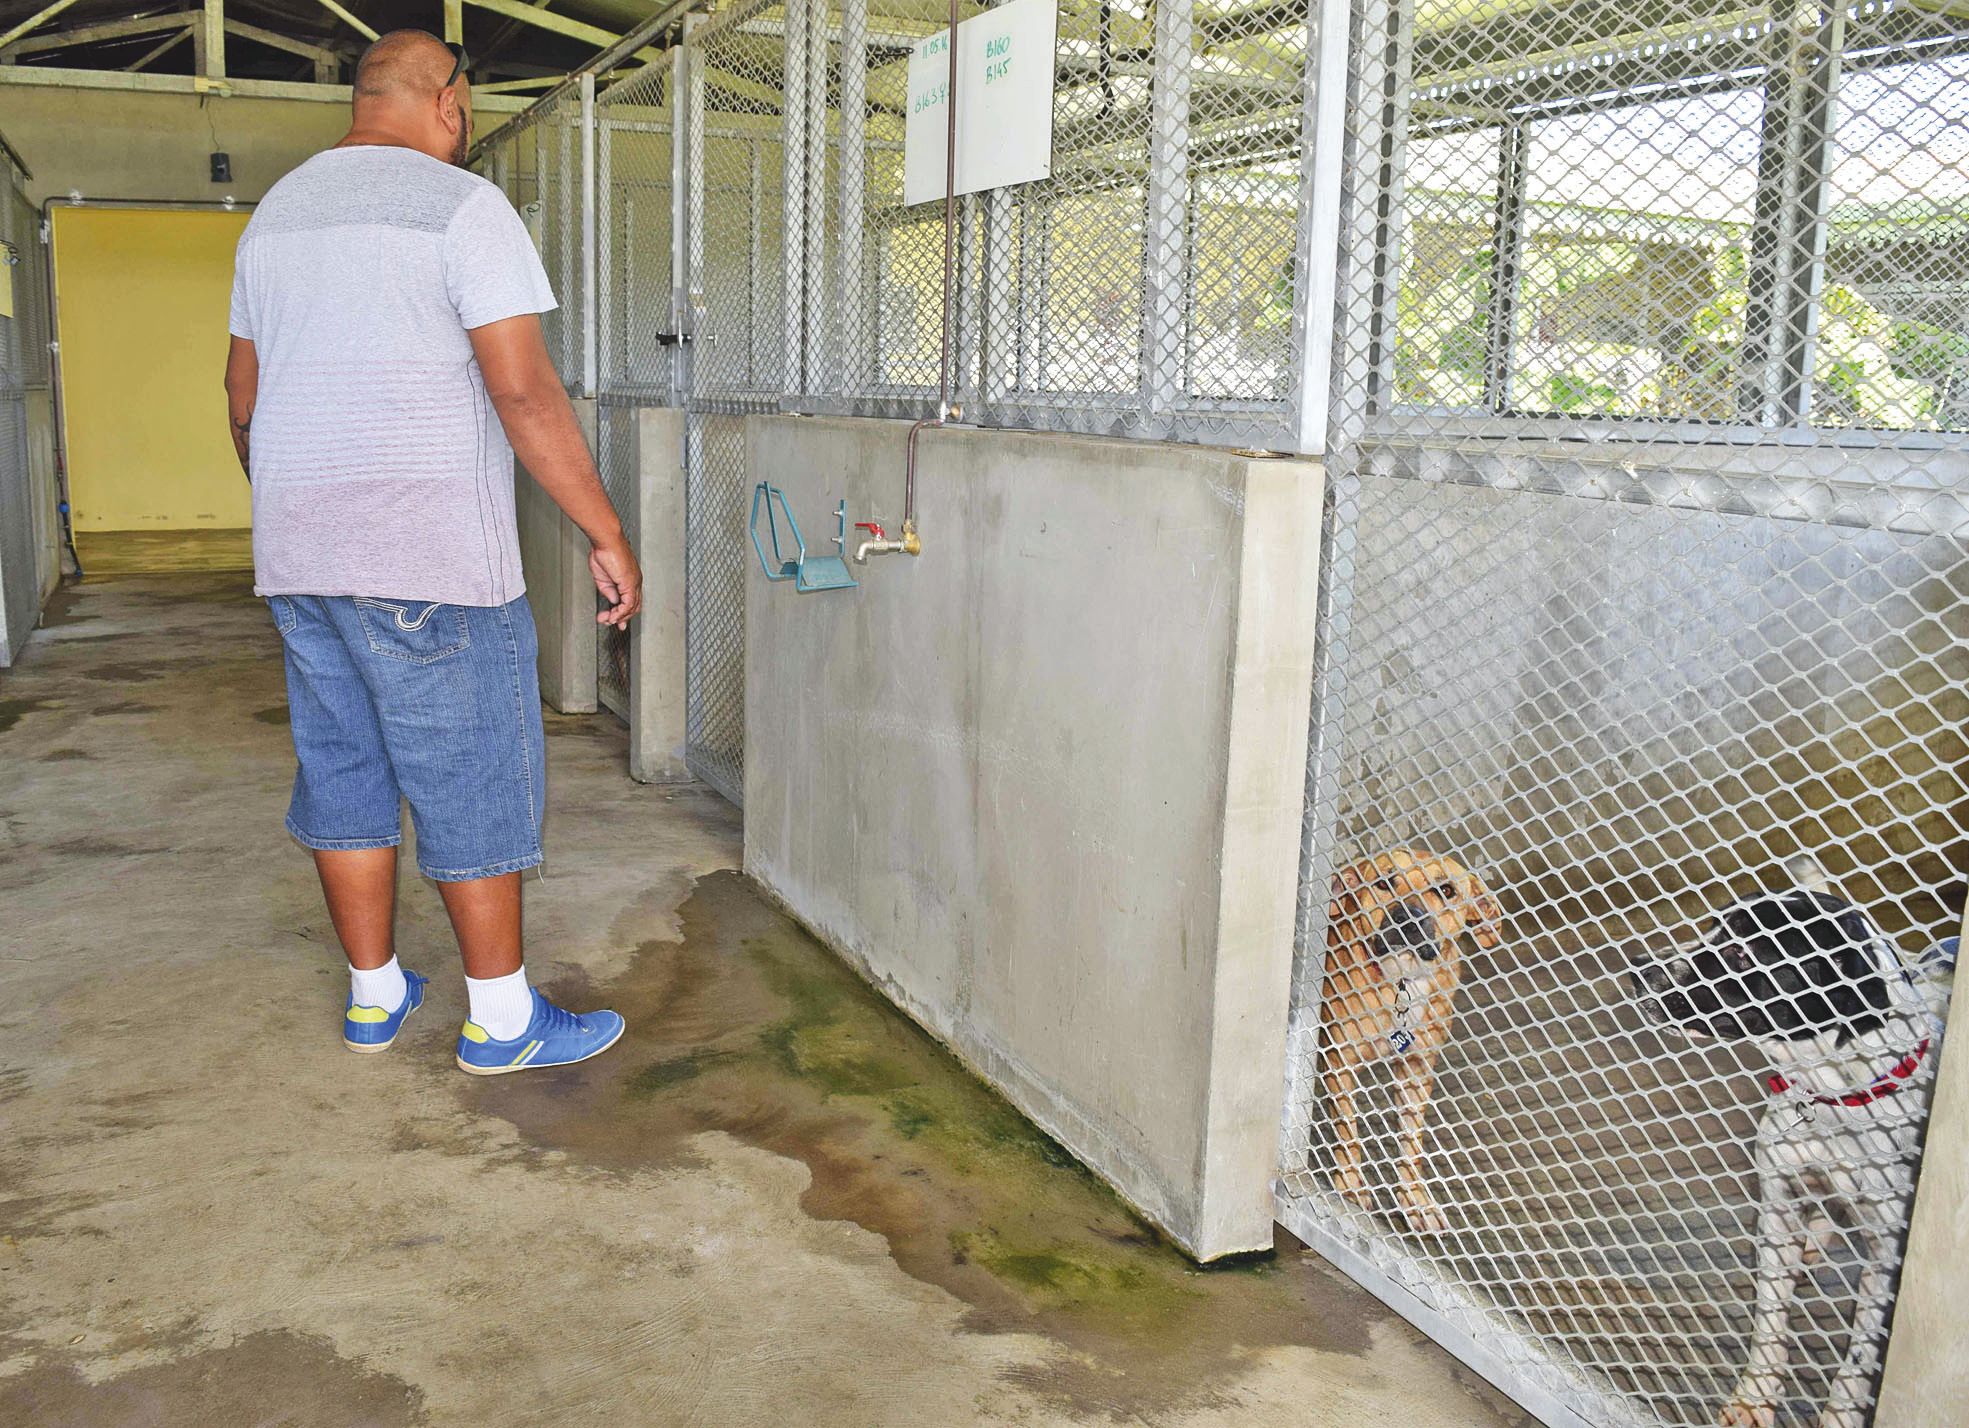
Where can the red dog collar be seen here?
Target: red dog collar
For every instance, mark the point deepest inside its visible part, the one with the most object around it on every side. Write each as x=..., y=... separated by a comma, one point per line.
x=1885, y=1084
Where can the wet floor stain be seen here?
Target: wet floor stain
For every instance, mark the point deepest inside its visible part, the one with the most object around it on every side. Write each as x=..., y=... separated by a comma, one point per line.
x=63, y=756
x=290, y=1379
x=124, y=706
x=276, y=715
x=132, y=671
x=63, y=608
x=12, y=711
x=748, y=1026
x=90, y=845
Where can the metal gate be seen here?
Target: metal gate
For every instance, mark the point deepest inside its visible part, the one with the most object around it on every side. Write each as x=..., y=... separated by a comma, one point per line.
x=692, y=297
x=639, y=360
x=745, y=294
x=1645, y=594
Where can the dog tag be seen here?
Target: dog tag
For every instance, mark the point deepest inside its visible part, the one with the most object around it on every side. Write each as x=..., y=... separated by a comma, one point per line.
x=1403, y=1035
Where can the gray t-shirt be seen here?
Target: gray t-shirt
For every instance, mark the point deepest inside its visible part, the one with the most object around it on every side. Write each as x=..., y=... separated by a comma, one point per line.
x=379, y=465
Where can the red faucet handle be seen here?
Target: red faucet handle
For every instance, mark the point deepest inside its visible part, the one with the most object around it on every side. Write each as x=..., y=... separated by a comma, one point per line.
x=872, y=528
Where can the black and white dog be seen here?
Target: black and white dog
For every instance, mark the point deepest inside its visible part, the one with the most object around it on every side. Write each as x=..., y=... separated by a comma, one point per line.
x=1851, y=1033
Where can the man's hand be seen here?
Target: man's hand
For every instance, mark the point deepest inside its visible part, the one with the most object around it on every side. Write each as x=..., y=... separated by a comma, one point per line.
x=620, y=581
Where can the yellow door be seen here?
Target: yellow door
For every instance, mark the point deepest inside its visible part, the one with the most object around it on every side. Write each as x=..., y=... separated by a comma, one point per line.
x=142, y=298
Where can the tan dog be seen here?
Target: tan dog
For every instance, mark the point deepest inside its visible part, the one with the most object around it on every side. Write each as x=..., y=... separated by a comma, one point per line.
x=1393, y=958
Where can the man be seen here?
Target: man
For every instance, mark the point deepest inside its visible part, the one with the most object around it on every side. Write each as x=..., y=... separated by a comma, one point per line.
x=386, y=348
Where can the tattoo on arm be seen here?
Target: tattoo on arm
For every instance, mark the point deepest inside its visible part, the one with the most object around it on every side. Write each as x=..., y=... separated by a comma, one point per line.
x=241, y=428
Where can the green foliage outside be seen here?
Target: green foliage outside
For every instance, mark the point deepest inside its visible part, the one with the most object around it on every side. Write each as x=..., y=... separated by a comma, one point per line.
x=1646, y=319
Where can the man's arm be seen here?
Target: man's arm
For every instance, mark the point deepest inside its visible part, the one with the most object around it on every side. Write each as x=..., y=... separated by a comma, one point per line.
x=540, y=424
x=242, y=390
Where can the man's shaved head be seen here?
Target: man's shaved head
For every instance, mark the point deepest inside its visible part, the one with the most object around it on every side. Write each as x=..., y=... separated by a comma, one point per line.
x=401, y=96
x=404, y=64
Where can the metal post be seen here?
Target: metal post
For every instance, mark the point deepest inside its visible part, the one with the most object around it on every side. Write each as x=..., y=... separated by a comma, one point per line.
x=757, y=354
x=1330, y=412
x=1166, y=247
x=820, y=304
x=793, y=208
x=851, y=365
x=686, y=164
x=1766, y=240
x=690, y=194
x=1316, y=260
x=998, y=364
x=563, y=203
x=588, y=352
x=964, y=298
x=1395, y=92
x=608, y=356
x=540, y=168
x=1507, y=250
x=1818, y=113
x=1035, y=267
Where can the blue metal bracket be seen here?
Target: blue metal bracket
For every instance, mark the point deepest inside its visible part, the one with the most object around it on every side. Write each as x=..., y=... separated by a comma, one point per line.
x=809, y=573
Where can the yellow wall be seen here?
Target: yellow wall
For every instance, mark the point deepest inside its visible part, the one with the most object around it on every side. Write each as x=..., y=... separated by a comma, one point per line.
x=142, y=301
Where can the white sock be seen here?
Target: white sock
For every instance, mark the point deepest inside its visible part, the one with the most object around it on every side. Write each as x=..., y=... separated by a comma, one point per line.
x=502, y=1005
x=384, y=987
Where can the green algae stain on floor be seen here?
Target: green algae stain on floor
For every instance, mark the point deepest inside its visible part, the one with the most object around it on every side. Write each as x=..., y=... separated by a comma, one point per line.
x=1049, y=1233
x=749, y=1027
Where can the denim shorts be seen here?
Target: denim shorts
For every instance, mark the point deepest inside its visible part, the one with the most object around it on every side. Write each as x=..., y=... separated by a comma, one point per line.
x=394, y=700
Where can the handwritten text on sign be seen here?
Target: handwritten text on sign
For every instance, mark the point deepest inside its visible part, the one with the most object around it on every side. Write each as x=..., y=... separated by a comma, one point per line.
x=1004, y=102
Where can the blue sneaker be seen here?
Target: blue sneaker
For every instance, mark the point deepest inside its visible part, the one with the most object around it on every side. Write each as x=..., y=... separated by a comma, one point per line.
x=553, y=1038
x=372, y=1028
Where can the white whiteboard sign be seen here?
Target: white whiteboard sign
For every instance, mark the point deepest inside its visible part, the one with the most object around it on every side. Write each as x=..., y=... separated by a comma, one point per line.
x=1004, y=102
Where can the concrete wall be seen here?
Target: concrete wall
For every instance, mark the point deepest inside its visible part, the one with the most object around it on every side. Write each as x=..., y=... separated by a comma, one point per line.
x=1043, y=784
x=104, y=144
x=47, y=502
x=559, y=587
x=656, y=648
x=143, y=296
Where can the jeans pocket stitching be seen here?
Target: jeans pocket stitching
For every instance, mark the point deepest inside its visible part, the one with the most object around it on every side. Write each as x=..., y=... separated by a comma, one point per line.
x=462, y=641
x=285, y=616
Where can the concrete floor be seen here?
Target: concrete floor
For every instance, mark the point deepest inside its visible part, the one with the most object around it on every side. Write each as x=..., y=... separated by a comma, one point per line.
x=106, y=553
x=774, y=1203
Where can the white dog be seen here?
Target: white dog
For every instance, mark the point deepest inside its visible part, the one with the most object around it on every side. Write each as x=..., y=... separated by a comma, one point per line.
x=1852, y=1034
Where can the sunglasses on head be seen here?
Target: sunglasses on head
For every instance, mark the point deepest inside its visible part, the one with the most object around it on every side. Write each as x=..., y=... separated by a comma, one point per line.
x=458, y=63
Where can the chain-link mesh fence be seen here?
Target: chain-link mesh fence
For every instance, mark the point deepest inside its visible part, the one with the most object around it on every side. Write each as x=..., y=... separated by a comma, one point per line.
x=1145, y=288
x=23, y=357
x=635, y=301
x=618, y=461
x=30, y=289
x=748, y=130
x=635, y=127
x=536, y=159
x=1644, y=580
